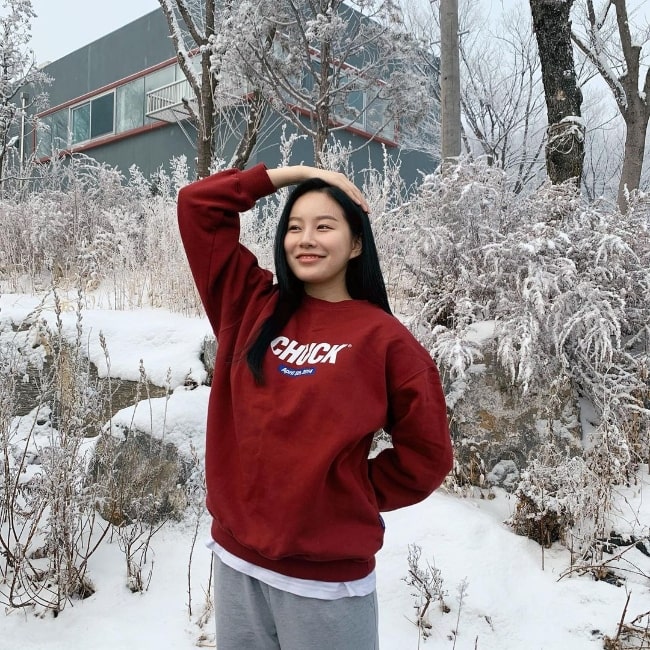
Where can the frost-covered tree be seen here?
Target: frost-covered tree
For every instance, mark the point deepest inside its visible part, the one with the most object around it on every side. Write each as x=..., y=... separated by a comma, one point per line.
x=203, y=33
x=565, y=141
x=604, y=142
x=325, y=65
x=608, y=37
x=502, y=98
x=17, y=69
x=563, y=278
x=423, y=24
x=199, y=22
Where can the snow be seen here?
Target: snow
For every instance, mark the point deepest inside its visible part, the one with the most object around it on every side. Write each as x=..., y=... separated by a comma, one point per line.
x=179, y=419
x=481, y=331
x=168, y=344
x=515, y=595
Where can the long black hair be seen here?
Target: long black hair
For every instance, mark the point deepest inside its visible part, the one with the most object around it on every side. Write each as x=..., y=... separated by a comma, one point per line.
x=363, y=276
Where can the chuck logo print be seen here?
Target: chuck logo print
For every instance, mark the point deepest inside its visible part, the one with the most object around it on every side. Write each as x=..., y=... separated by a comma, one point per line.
x=304, y=354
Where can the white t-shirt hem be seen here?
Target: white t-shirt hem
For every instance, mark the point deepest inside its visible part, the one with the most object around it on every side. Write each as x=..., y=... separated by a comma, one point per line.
x=298, y=586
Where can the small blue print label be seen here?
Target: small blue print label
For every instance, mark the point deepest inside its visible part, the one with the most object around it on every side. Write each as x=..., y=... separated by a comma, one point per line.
x=296, y=372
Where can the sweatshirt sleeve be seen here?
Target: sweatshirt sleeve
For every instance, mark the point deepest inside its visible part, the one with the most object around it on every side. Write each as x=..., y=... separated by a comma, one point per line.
x=421, y=456
x=226, y=274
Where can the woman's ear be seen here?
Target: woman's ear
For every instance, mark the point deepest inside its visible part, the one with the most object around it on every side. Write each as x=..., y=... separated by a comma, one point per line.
x=357, y=247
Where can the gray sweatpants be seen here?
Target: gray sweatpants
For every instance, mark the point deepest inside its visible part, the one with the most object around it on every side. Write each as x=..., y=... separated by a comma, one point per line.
x=251, y=615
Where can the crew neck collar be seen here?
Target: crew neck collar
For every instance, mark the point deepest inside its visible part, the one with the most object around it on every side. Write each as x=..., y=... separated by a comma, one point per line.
x=318, y=303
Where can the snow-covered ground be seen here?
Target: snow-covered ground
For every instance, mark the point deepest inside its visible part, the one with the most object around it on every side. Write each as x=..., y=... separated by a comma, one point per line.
x=513, y=595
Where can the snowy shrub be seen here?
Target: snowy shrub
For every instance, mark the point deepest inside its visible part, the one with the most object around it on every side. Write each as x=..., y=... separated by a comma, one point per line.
x=84, y=225
x=428, y=588
x=49, y=526
x=469, y=466
x=551, y=497
x=566, y=284
x=387, y=195
x=63, y=489
x=258, y=230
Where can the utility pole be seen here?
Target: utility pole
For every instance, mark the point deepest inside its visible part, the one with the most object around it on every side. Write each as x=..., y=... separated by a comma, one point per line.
x=449, y=81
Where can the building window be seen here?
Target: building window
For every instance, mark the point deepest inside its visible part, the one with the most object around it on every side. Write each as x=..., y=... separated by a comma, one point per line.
x=130, y=100
x=102, y=112
x=354, y=104
x=377, y=120
x=81, y=123
x=117, y=111
x=52, y=133
x=93, y=119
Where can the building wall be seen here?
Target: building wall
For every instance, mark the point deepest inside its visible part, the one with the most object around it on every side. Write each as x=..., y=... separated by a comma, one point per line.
x=137, y=46
x=149, y=150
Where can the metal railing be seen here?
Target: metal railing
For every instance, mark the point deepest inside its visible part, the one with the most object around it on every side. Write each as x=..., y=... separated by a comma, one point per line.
x=169, y=102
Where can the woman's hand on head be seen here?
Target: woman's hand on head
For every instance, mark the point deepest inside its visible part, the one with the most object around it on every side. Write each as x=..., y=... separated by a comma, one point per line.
x=283, y=176
x=343, y=183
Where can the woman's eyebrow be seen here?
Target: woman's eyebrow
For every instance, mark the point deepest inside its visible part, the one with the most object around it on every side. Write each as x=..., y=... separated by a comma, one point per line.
x=331, y=217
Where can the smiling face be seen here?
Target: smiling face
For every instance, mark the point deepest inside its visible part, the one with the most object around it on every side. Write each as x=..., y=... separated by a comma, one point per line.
x=318, y=245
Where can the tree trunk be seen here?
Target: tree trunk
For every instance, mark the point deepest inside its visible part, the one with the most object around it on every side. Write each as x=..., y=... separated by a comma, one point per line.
x=635, y=109
x=449, y=80
x=3, y=151
x=636, y=125
x=565, y=149
x=631, y=99
x=322, y=113
x=254, y=119
x=205, y=126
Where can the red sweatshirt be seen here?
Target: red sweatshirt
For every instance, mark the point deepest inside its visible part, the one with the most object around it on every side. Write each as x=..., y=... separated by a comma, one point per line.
x=289, y=483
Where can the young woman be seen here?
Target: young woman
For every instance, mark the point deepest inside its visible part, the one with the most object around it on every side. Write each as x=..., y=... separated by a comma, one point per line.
x=307, y=370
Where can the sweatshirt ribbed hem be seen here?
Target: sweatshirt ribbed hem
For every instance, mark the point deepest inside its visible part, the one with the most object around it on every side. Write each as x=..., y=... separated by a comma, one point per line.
x=331, y=571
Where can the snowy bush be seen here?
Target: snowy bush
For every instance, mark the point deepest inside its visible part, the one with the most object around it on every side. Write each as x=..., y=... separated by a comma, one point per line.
x=49, y=526
x=552, y=497
x=566, y=284
x=428, y=588
x=86, y=226
x=63, y=486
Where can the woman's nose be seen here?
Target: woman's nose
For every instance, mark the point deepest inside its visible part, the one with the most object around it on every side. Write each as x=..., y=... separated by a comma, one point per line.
x=307, y=237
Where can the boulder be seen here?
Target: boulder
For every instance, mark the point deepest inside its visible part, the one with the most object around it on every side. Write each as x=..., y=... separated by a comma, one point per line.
x=141, y=478
x=496, y=429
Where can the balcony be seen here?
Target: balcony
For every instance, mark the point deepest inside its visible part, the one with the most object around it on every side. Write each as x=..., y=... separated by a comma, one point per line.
x=166, y=103
x=170, y=103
